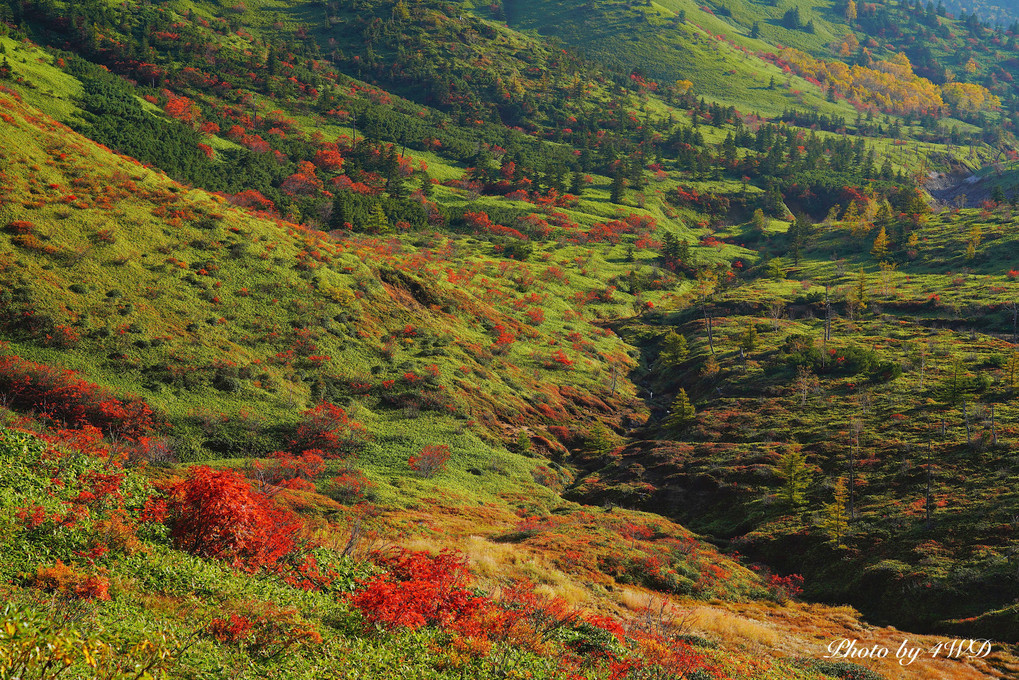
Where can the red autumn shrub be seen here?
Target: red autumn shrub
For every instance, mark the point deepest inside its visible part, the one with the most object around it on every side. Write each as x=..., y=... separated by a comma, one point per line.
x=250, y=198
x=520, y=604
x=535, y=317
x=32, y=517
x=65, y=580
x=62, y=336
x=303, y=182
x=328, y=429
x=215, y=513
x=480, y=222
x=115, y=532
x=232, y=630
x=350, y=486
x=283, y=468
x=431, y=459
x=329, y=159
x=657, y=656
x=88, y=440
x=181, y=108
x=637, y=532
x=99, y=490
x=156, y=450
x=418, y=590
x=267, y=632
x=558, y=359
x=62, y=395
x=785, y=587
x=298, y=484
x=20, y=227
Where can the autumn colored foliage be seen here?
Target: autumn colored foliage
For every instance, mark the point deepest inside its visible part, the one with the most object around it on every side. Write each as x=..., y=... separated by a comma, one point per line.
x=215, y=513
x=350, y=486
x=264, y=634
x=890, y=85
x=327, y=428
x=418, y=590
x=285, y=469
x=61, y=395
x=429, y=460
x=250, y=198
x=68, y=581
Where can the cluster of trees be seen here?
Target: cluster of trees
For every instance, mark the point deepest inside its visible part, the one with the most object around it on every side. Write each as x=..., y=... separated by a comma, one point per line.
x=945, y=50
x=610, y=139
x=888, y=85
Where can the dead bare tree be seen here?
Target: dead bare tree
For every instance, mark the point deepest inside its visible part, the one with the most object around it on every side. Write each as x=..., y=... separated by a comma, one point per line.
x=661, y=618
x=856, y=429
x=1013, y=307
x=776, y=311
x=806, y=382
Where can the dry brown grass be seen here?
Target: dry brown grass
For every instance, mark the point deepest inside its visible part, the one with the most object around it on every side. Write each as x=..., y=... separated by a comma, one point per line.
x=731, y=628
x=758, y=629
x=806, y=629
x=496, y=563
x=632, y=599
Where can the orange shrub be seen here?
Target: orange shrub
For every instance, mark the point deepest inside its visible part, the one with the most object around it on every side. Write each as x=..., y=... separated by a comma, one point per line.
x=71, y=583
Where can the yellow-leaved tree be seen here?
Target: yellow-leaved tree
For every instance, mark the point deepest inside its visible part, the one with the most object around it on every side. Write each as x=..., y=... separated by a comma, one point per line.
x=969, y=97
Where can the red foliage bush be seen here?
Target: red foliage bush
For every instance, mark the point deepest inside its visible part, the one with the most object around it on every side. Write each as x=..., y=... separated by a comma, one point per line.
x=349, y=486
x=636, y=532
x=429, y=460
x=250, y=198
x=329, y=159
x=418, y=590
x=535, y=317
x=32, y=517
x=181, y=108
x=282, y=468
x=481, y=222
x=785, y=587
x=558, y=359
x=20, y=227
x=65, y=580
x=99, y=489
x=215, y=513
x=231, y=630
x=62, y=395
x=303, y=182
x=266, y=634
x=62, y=336
x=328, y=429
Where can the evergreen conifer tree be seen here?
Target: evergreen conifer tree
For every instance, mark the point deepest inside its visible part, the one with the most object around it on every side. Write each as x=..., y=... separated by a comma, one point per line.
x=681, y=414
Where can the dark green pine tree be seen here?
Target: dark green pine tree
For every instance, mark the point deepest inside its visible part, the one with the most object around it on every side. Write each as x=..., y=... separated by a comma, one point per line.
x=576, y=183
x=339, y=216
x=791, y=19
x=616, y=192
x=681, y=414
